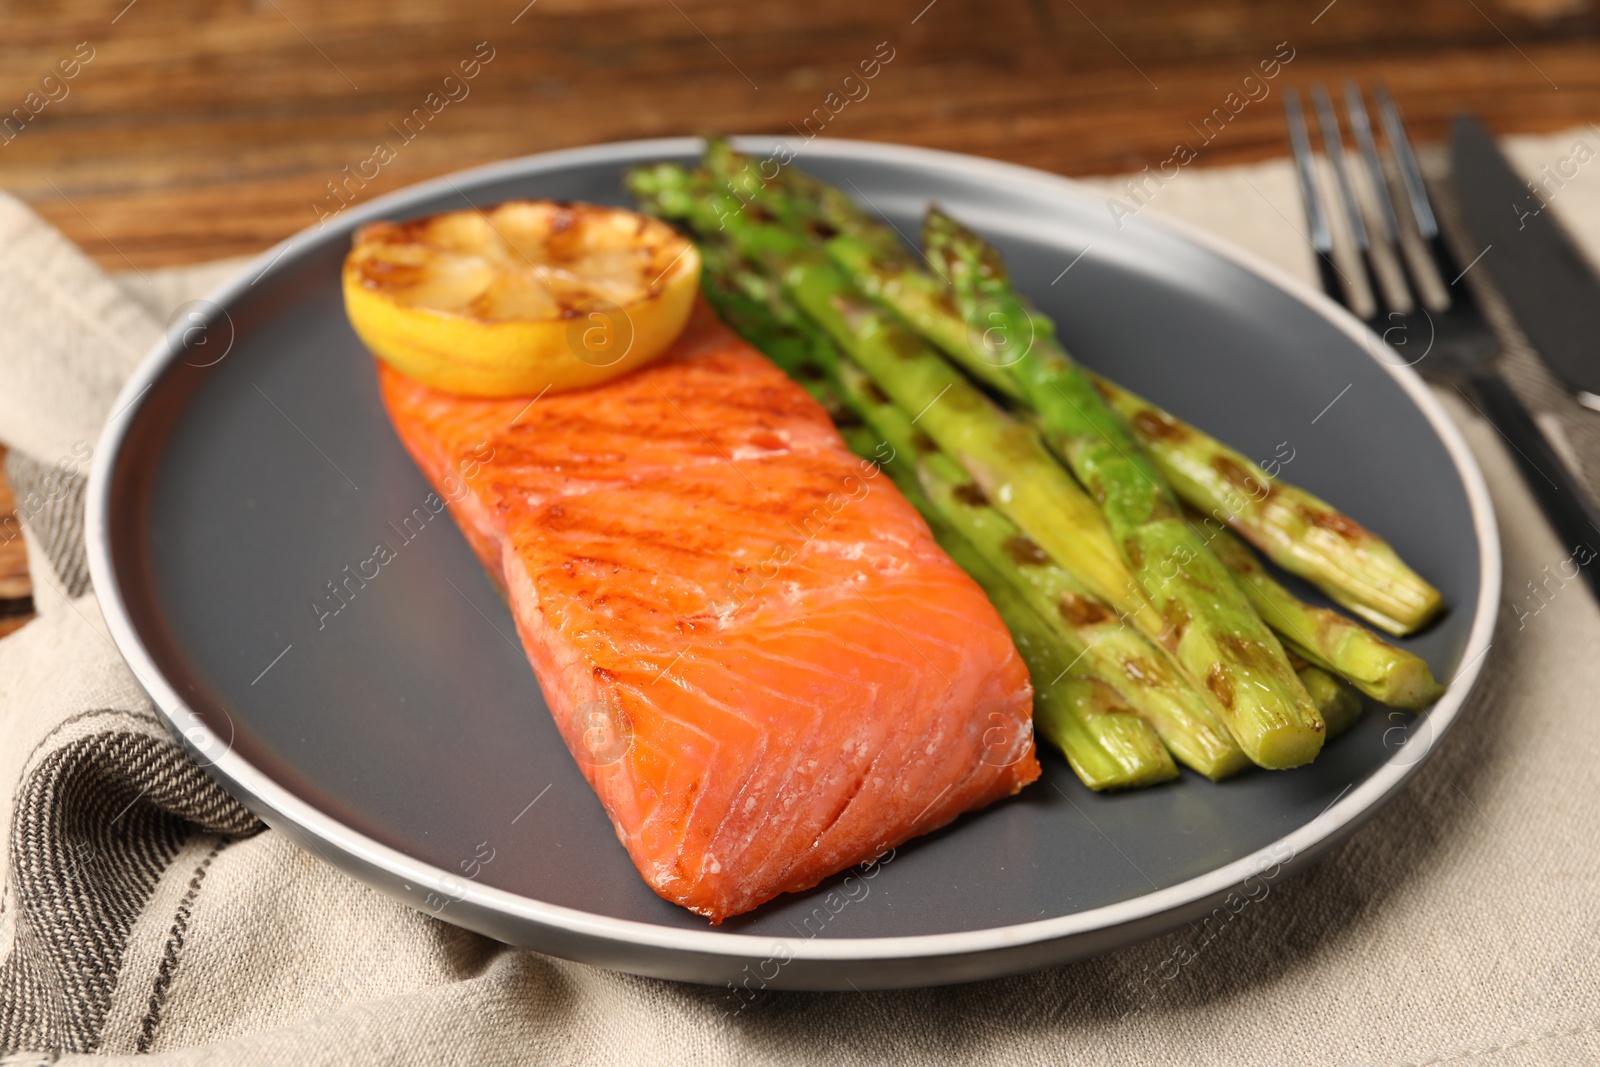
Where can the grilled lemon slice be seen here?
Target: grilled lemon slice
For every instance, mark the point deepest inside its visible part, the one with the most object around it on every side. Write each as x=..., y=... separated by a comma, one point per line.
x=521, y=297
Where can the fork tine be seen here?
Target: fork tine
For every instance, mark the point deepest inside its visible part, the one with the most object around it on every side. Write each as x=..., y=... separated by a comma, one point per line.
x=1444, y=263
x=1316, y=215
x=1408, y=288
x=1410, y=174
x=1360, y=125
x=1333, y=147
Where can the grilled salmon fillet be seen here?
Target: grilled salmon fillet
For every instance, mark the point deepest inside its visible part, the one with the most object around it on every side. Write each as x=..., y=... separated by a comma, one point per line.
x=766, y=668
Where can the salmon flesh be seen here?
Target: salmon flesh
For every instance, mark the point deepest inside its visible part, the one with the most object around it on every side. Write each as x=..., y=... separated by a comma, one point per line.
x=766, y=668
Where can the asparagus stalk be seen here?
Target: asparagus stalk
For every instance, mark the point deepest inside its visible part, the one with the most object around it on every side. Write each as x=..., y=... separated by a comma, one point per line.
x=1325, y=638
x=893, y=279
x=741, y=300
x=793, y=198
x=1339, y=704
x=1299, y=532
x=1212, y=628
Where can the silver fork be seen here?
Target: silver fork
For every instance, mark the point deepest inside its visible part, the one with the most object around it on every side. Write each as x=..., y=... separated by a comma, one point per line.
x=1460, y=346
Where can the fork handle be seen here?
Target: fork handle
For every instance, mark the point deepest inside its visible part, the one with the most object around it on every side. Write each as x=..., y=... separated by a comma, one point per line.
x=1565, y=501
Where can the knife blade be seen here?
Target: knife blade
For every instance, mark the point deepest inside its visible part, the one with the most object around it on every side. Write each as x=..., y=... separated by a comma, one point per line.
x=1551, y=289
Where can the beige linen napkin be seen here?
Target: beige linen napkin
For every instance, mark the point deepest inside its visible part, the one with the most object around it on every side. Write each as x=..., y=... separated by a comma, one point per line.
x=144, y=911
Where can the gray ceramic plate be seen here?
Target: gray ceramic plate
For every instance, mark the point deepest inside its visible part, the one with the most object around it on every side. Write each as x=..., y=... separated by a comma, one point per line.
x=405, y=740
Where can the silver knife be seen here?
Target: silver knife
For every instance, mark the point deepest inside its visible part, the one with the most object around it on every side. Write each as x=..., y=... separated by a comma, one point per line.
x=1551, y=289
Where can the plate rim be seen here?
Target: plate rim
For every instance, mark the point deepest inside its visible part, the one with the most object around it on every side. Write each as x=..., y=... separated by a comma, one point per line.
x=307, y=821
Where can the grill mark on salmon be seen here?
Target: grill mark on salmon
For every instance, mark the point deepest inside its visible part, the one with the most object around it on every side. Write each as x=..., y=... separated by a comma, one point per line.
x=806, y=677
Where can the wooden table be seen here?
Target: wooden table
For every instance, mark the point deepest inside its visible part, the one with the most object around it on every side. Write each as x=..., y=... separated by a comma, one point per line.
x=194, y=130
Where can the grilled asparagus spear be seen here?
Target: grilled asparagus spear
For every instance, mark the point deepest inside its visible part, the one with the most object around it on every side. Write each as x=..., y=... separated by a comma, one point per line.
x=1212, y=628
x=1325, y=638
x=1302, y=534
x=756, y=309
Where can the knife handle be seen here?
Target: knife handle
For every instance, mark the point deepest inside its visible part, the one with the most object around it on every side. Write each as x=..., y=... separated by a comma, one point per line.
x=1565, y=501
